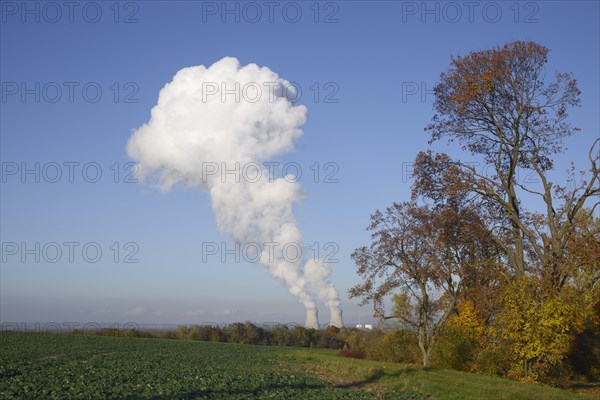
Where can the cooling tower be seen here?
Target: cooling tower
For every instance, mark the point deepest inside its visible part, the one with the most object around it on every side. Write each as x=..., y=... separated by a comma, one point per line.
x=336, y=318
x=312, y=319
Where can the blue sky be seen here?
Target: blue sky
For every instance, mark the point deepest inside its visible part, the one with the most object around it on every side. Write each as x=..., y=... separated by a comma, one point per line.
x=369, y=54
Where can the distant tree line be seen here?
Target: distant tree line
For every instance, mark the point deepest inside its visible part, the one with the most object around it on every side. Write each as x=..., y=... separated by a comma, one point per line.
x=391, y=344
x=239, y=332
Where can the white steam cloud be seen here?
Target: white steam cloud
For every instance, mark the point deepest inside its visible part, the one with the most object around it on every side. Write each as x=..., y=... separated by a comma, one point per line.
x=228, y=114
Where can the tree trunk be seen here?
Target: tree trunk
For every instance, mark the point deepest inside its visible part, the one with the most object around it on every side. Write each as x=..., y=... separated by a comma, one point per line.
x=519, y=253
x=426, y=358
x=425, y=346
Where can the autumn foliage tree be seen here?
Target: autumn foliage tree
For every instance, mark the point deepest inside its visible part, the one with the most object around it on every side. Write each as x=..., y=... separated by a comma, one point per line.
x=539, y=328
x=418, y=254
x=523, y=254
x=497, y=104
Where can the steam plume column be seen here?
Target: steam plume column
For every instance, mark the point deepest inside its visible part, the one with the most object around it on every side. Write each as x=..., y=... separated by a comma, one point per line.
x=185, y=130
x=312, y=319
x=336, y=318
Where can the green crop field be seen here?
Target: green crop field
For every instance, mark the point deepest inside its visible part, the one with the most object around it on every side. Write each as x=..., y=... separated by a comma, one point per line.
x=52, y=366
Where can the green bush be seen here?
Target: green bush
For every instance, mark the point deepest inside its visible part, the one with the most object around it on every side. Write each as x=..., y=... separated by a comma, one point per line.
x=456, y=348
x=492, y=360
